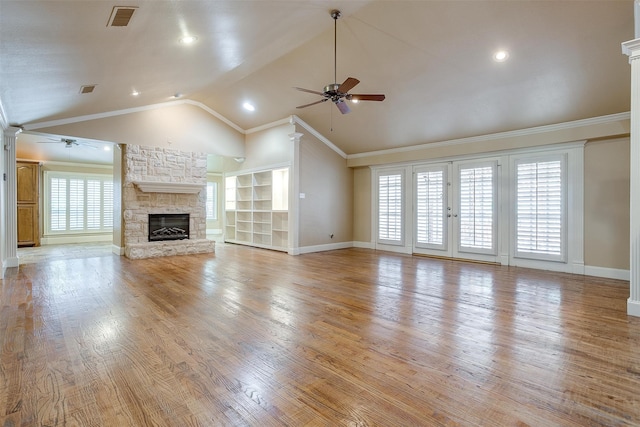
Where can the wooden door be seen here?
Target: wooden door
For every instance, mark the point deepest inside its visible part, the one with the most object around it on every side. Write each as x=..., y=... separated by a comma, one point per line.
x=28, y=177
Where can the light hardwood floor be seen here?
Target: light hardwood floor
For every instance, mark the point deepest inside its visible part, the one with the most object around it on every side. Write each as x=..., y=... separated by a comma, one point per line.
x=249, y=337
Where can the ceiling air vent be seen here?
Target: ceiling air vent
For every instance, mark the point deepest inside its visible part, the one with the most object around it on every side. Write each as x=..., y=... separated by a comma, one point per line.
x=120, y=16
x=87, y=88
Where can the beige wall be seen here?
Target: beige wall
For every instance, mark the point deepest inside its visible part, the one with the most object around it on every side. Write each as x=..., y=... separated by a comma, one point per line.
x=327, y=183
x=606, y=203
x=176, y=126
x=362, y=204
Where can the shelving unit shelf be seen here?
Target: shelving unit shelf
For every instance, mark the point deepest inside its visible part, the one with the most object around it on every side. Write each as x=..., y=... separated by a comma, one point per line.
x=256, y=209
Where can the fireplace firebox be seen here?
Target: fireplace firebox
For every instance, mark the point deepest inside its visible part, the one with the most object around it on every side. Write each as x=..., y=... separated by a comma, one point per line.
x=168, y=227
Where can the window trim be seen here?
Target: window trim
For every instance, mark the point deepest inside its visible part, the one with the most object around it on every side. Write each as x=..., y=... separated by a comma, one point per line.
x=539, y=158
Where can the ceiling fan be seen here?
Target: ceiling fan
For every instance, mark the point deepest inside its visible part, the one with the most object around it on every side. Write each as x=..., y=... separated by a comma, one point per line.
x=338, y=93
x=68, y=142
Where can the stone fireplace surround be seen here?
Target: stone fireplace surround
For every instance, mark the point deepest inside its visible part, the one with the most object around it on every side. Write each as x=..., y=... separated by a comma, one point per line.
x=160, y=181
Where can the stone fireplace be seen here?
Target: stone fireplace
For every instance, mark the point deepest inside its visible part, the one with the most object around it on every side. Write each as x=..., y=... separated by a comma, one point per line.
x=169, y=183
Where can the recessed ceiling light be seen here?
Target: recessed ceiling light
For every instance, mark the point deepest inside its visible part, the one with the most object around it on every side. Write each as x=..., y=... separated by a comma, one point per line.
x=188, y=39
x=249, y=106
x=177, y=95
x=501, y=56
x=135, y=93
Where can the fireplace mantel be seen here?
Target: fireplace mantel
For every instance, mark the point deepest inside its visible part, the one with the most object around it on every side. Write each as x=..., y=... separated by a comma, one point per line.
x=168, y=187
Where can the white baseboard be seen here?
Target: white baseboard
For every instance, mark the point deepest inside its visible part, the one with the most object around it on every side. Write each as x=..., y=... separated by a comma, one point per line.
x=11, y=262
x=117, y=250
x=321, y=248
x=364, y=245
x=609, y=273
x=633, y=308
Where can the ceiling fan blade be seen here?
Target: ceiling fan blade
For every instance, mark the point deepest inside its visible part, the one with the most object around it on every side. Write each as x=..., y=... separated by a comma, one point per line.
x=366, y=97
x=342, y=106
x=313, y=103
x=309, y=90
x=348, y=84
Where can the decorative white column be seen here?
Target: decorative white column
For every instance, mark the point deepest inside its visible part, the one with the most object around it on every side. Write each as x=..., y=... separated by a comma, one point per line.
x=10, y=249
x=294, y=195
x=632, y=49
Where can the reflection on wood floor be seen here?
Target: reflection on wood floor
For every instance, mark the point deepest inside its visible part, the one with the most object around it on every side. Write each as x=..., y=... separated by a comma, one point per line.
x=29, y=255
x=351, y=337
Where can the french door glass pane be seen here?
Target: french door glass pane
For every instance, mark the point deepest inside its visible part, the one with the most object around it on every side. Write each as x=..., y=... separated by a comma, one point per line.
x=476, y=210
x=430, y=199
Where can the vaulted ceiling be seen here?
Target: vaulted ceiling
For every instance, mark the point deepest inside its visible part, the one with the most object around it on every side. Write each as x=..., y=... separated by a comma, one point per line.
x=432, y=59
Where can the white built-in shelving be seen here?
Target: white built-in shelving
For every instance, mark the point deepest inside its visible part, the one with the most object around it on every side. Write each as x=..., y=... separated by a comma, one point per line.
x=257, y=208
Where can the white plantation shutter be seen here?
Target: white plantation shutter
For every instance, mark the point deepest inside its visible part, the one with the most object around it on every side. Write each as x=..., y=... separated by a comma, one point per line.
x=539, y=209
x=94, y=210
x=75, y=203
x=477, y=208
x=58, y=204
x=390, y=221
x=107, y=204
x=430, y=208
x=212, y=196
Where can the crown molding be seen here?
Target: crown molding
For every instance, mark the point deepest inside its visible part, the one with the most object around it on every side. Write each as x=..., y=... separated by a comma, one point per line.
x=500, y=135
x=88, y=117
x=268, y=126
x=297, y=120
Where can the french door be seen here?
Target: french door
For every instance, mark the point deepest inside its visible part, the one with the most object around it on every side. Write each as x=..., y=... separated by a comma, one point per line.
x=456, y=210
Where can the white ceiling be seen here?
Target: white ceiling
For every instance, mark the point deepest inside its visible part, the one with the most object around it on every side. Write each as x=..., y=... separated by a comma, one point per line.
x=432, y=59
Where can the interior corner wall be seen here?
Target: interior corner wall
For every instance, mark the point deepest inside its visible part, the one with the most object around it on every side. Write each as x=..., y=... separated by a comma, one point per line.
x=118, y=180
x=327, y=185
x=3, y=205
x=268, y=147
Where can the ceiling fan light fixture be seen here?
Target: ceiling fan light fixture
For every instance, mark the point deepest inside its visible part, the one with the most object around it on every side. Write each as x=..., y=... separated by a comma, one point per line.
x=501, y=56
x=187, y=40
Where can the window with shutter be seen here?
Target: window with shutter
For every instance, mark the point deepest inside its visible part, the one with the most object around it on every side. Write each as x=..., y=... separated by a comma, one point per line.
x=540, y=221
x=76, y=203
